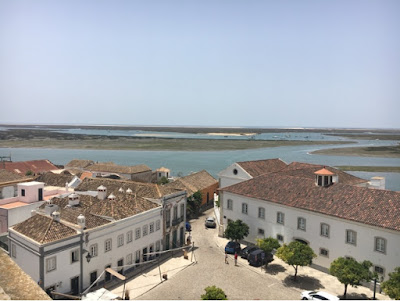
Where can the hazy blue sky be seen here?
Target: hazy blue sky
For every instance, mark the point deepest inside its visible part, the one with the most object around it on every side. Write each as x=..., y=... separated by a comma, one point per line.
x=224, y=63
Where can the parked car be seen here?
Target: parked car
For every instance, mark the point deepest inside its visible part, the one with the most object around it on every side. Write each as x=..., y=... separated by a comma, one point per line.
x=188, y=227
x=232, y=247
x=258, y=258
x=311, y=295
x=210, y=222
x=246, y=251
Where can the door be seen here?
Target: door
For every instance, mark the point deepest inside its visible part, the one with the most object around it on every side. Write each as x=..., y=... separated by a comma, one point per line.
x=181, y=236
x=151, y=250
x=93, y=277
x=174, y=238
x=75, y=285
x=167, y=242
x=108, y=275
x=144, y=254
x=120, y=264
x=40, y=192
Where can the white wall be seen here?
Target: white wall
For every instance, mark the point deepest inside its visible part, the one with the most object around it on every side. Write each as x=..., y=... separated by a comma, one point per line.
x=7, y=191
x=336, y=244
x=31, y=191
x=19, y=214
x=227, y=177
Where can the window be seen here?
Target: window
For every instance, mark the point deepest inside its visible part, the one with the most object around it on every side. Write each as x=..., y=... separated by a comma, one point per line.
x=74, y=256
x=158, y=225
x=182, y=211
x=145, y=230
x=235, y=171
x=244, y=208
x=151, y=227
x=14, y=250
x=137, y=256
x=137, y=233
x=379, y=270
x=22, y=192
x=380, y=244
x=120, y=240
x=129, y=236
x=280, y=218
x=107, y=245
x=260, y=232
x=261, y=212
x=51, y=264
x=325, y=230
x=230, y=204
x=175, y=216
x=129, y=258
x=279, y=237
x=168, y=218
x=324, y=252
x=93, y=250
x=351, y=237
x=158, y=245
x=301, y=223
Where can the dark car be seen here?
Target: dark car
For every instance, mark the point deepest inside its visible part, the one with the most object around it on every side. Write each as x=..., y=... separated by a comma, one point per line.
x=246, y=251
x=258, y=258
x=232, y=247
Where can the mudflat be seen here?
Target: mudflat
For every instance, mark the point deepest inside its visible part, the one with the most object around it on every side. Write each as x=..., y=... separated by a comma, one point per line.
x=373, y=151
x=28, y=138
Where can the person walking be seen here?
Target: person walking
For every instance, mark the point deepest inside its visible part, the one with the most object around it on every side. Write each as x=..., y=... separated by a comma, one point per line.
x=236, y=256
x=226, y=258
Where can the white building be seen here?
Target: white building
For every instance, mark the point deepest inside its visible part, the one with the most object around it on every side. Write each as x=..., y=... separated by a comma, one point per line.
x=322, y=207
x=66, y=245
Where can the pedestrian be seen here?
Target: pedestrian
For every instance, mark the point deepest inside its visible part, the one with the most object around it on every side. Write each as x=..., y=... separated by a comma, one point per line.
x=226, y=258
x=236, y=258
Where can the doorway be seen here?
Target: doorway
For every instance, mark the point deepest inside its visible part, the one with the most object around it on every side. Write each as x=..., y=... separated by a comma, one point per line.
x=108, y=275
x=75, y=285
x=167, y=242
x=174, y=238
x=93, y=277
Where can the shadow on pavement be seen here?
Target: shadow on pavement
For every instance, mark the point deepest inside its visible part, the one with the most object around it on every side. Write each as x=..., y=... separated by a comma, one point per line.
x=303, y=282
x=355, y=296
x=274, y=269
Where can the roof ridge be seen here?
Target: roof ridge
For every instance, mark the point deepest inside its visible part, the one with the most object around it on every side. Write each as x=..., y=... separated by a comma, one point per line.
x=47, y=230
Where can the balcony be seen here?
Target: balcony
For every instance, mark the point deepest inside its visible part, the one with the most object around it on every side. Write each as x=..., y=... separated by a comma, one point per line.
x=177, y=221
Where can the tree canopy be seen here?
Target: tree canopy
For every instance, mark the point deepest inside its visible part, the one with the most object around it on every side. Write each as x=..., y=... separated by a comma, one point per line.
x=296, y=254
x=392, y=286
x=350, y=271
x=194, y=202
x=236, y=230
x=213, y=293
x=268, y=245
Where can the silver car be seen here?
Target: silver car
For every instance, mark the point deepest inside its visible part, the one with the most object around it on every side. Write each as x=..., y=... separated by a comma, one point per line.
x=210, y=222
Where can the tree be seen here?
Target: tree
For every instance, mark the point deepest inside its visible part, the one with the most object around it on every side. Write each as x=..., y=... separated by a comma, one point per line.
x=194, y=203
x=29, y=173
x=268, y=245
x=296, y=254
x=236, y=230
x=350, y=271
x=163, y=180
x=392, y=286
x=213, y=293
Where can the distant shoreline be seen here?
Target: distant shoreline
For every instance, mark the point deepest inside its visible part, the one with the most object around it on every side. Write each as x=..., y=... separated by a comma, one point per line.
x=374, y=151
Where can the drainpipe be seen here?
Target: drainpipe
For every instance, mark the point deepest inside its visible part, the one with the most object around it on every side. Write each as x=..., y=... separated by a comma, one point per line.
x=81, y=265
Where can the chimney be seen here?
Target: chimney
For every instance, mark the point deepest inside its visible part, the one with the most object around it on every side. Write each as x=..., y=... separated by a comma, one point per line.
x=129, y=191
x=81, y=221
x=50, y=208
x=101, y=192
x=66, y=186
x=121, y=190
x=111, y=197
x=73, y=199
x=56, y=216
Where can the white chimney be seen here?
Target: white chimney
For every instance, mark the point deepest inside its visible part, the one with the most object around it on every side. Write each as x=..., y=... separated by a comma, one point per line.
x=81, y=221
x=111, y=197
x=50, y=208
x=101, y=192
x=56, y=216
x=121, y=190
x=73, y=199
x=129, y=191
x=66, y=186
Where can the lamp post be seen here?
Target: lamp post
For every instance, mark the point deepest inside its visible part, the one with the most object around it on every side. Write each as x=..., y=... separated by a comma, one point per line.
x=88, y=257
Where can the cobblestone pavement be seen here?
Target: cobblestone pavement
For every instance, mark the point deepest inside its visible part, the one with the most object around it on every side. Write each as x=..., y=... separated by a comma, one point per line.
x=186, y=280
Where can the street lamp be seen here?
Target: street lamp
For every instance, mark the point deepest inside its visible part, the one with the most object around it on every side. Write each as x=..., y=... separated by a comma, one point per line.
x=88, y=257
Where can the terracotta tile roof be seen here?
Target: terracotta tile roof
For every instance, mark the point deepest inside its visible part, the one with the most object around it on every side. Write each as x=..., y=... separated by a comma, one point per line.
x=36, y=166
x=78, y=163
x=306, y=170
x=114, y=168
x=259, y=167
x=379, y=208
x=51, y=179
x=44, y=229
x=8, y=176
x=194, y=182
x=324, y=172
x=16, y=284
x=147, y=190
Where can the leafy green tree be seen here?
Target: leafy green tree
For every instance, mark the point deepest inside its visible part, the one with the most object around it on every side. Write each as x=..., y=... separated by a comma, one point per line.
x=163, y=180
x=392, y=286
x=213, y=293
x=194, y=203
x=29, y=173
x=350, y=271
x=268, y=245
x=236, y=230
x=296, y=254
